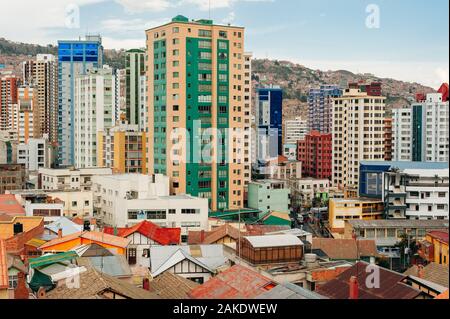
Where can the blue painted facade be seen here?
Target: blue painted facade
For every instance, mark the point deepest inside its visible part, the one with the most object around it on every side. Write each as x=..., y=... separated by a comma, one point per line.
x=74, y=58
x=273, y=99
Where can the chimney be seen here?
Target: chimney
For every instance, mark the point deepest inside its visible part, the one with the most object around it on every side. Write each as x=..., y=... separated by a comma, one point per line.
x=354, y=289
x=60, y=233
x=146, y=284
x=202, y=236
x=21, y=291
x=41, y=294
x=420, y=272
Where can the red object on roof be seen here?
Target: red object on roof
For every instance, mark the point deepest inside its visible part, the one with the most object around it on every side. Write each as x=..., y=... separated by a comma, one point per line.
x=238, y=282
x=10, y=206
x=163, y=236
x=441, y=235
x=420, y=97
x=444, y=91
x=391, y=285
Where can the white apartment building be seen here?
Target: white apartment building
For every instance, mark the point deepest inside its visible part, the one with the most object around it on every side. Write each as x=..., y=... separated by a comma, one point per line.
x=402, y=134
x=36, y=153
x=416, y=194
x=126, y=200
x=431, y=129
x=67, y=179
x=309, y=187
x=358, y=134
x=421, y=132
x=284, y=170
x=73, y=203
x=295, y=130
x=95, y=110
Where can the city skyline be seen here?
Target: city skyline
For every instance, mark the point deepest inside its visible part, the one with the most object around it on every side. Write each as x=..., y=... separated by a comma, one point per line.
x=393, y=48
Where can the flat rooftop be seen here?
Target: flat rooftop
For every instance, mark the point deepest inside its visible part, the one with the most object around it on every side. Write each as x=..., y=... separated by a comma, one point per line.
x=407, y=165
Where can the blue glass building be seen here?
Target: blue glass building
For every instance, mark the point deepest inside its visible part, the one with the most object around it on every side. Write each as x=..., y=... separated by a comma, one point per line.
x=74, y=58
x=269, y=122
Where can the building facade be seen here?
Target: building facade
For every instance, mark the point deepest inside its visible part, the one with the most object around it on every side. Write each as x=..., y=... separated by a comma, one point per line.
x=195, y=90
x=35, y=154
x=344, y=210
x=12, y=176
x=46, y=81
x=416, y=194
x=95, y=110
x=269, y=196
x=135, y=70
x=269, y=118
x=126, y=200
x=74, y=58
x=26, y=116
x=388, y=139
x=421, y=132
x=315, y=153
x=295, y=130
x=248, y=91
x=123, y=148
x=358, y=135
x=320, y=107
x=8, y=97
x=66, y=179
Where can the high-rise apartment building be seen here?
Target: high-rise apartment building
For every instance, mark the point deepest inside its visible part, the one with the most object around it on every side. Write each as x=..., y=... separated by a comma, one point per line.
x=402, y=134
x=35, y=154
x=94, y=101
x=196, y=109
x=46, y=82
x=320, y=107
x=430, y=140
x=315, y=153
x=26, y=114
x=28, y=72
x=295, y=130
x=8, y=97
x=74, y=58
x=248, y=118
x=358, y=134
x=123, y=148
x=269, y=117
x=421, y=131
x=388, y=139
x=135, y=91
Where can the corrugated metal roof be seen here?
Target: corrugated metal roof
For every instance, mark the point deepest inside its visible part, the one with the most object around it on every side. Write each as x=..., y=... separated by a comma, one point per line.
x=209, y=256
x=67, y=226
x=116, y=266
x=290, y=291
x=273, y=241
x=51, y=259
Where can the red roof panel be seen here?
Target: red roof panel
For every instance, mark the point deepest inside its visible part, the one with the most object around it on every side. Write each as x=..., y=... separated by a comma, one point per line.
x=163, y=236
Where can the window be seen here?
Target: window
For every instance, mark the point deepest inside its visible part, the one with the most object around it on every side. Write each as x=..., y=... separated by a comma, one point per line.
x=204, y=33
x=132, y=252
x=146, y=253
x=172, y=211
x=190, y=211
x=175, y=29
x=74, y=204
x=12, y=282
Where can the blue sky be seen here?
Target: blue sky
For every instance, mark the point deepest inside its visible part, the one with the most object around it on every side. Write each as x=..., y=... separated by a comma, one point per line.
x=411, y=43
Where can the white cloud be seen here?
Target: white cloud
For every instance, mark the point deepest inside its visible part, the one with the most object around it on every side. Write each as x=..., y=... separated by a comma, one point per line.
x=229, y=18
x=136, y=6
x=138, y=25
x=113, y=43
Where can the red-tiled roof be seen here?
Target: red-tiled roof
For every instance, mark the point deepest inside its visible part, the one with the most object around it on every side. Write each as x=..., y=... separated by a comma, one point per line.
x=345, y=248
x=238, y=282
x=259, y=230
x=10, y=206
x=163, y=236
x=441, y=235
x=390, y=285
x=210, y=237
x=3, y=266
